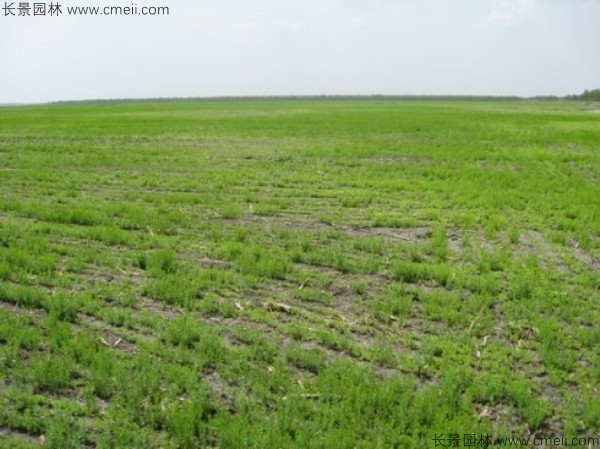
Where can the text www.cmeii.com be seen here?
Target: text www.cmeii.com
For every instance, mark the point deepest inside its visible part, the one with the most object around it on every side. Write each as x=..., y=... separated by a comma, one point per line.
x=26, y=9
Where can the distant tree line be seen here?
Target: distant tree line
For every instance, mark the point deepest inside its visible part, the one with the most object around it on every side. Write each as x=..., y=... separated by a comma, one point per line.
x=300, y=98
x=588, y=95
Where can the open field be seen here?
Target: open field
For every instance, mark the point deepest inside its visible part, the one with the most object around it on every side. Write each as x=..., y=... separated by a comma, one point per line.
x=298, y=274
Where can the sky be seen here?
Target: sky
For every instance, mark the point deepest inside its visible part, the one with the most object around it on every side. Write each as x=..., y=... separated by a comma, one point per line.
x=206, y=48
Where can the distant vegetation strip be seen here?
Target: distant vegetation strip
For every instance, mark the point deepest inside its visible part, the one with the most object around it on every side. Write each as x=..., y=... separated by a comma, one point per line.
x=588, y=95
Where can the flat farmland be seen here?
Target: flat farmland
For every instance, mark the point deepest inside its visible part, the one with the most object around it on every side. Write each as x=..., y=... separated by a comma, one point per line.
x=298, y=274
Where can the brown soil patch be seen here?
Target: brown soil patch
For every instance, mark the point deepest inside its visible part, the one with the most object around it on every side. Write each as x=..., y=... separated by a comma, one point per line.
x=218, y=386
x=113, y=341
x=400, y=160
x=342, y=291
x=374, y=280
x=165, y=310
x=421, y=326
x=8, y=433
x=484, y=243
x=407, y=234
x=272, y=222
x=108, y=335
x=205, y=262
x=330, y=352
x=16, y=308
x=534, y=243
x=585, y=172
x=498, y=413
x=584, y=256
x=454, y=243
x=118, y=277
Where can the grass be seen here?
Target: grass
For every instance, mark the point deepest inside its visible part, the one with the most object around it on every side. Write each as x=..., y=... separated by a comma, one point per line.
x=297, y=274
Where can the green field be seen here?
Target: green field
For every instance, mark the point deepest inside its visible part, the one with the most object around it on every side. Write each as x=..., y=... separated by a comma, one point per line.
x=309, y=274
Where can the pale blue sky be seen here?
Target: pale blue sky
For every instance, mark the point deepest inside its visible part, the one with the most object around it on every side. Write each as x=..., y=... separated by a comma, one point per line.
x=279, y=47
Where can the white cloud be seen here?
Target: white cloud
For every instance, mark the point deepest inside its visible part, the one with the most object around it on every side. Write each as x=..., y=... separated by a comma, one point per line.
x=287, y=24
x=268, y=47
x=508, y=13
x=359, y=23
